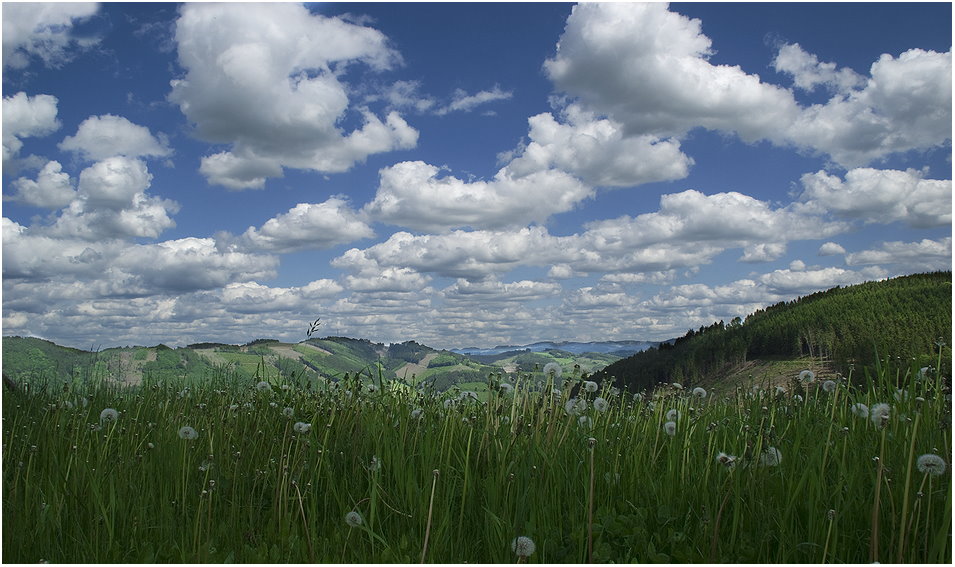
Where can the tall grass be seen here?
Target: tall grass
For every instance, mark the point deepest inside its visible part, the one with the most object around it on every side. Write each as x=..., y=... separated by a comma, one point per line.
x=447, y=477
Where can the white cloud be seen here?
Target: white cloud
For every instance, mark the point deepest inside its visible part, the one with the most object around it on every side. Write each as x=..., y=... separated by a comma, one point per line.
x=308, y=226
x=808, y=73
x=43, y=30
x=763, y=252
x=277, y=98
x=461, y=101
x=907, y=257
x=100, y=137
x=252, y=297
x=881, y=196
x=647, y=67
x=412, y=194
x=491, y=291
x=24, y=117
x=831, y=249
x=52, y=188
x=598, y=151
x=800, y=282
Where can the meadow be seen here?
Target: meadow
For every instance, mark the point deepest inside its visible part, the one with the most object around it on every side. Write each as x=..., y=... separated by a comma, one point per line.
x=537, y=467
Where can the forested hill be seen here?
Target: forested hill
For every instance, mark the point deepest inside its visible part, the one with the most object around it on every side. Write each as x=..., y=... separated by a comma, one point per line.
x=900, y=317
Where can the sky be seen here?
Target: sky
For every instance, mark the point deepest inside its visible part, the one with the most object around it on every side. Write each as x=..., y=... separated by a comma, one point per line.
x=462, y=174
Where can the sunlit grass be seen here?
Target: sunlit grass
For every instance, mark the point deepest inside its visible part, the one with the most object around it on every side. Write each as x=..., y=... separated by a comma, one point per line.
x=353, y=473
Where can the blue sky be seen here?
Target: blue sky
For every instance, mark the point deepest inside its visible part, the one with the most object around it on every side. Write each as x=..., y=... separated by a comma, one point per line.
x=462, y=174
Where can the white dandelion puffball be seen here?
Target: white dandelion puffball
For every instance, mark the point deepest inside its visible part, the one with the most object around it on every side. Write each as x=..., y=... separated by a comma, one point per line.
x=469, y=395
x=860, y=410
x=188, y=433
x=375, y=464
x=601, y=404
x=288, y=412
x=585, y=421
x=900, y=395
x=771, y=457
x=829, y=386
x=263, y=386
x=523, y=546
x=416, y=413
x=670, y=428
x=699, y=392
x=590, y=386
x=673, y=415
x=555, y=392
x=354, y=519
x=302, y=427
x=879, y=414
x=923, y=372
x=807, y=376
x=108, y=415
x=780, y=391
x=506, y=388
x=797, y=397
x=728, y=461
x=575, y=406
x=638, y=397
x=372, y=388
x=931, y=464
x=552, y=368
x=677, y=386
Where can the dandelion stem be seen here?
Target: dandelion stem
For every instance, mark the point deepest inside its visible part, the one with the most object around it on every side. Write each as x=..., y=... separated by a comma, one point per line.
x=874, y=535
x=308, y=534
x=908, y=483
x=590, y=510
x=427, y=530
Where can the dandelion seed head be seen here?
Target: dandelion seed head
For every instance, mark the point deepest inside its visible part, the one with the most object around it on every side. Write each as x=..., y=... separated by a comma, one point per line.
x=354, y=519
x=302, y=427
x=288, y=412
x=673, y=415
x=699, y=392
x=590, y=386
x=601, y=404
x=263, y=386
x=372, y=388
x=108, y=415
x=506, y=388
x=375, y=464
x=829, y=386
x=930, y=464
x=584, y=421
x=900, y=395
x=807, y=376
x=860, y=410
x=552, y=368
x=879, y=414
x=416, y=413
x=523, y=546
x=188, y=433
x=728, y=461
x=575, y=406
x=771, y=457
x=670, y=428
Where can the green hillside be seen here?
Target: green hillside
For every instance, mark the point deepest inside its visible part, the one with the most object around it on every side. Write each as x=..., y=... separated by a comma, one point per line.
x=840, y=328
x=305, y=364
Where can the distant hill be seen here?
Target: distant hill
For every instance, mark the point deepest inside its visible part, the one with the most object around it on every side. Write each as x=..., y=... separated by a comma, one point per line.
x=621, y=348
x=307, y=362
x=902, y=317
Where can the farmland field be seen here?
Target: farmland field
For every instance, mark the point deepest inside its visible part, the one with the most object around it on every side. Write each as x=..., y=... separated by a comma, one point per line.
x=367, y=470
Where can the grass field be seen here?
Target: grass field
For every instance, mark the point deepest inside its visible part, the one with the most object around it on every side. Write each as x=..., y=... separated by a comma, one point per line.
x=372, y=472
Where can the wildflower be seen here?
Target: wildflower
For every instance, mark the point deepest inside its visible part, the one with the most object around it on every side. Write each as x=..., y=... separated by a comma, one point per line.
x=416, y=413
x=930, y=464
x=670, y=428
x=575, y=406
x=590, y=386
x=288, y=412
x=601, y=404
x=585, y=421
x=673, y=415
x=860, y=410
x=354, y=519
x=728, y=461
x=807, y=376
x=187, y=433
x=302, y=427
x=771, y=457
x=829, y=386
x=879, y=414
x=108, y=415
x=523, y=546
x=263, y=386
x=552, y=368
x=699, y=392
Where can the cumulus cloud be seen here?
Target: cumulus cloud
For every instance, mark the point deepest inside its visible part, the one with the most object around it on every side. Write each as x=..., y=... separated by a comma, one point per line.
x=24, y=117
x=277, y=99
x=798, y=282
x=252, y=297
x=881, y=196
x=925, y=255
x=100, y=137
x=52, y=188
x=598, y=151
x=831, y=249
x=308, y=226
x=492, y=291
x=648, y=68
x=43, y=30
x=808, y=72
x=414, y=195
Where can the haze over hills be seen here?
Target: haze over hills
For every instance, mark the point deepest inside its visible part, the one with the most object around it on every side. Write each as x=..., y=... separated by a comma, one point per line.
x=622, y=348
